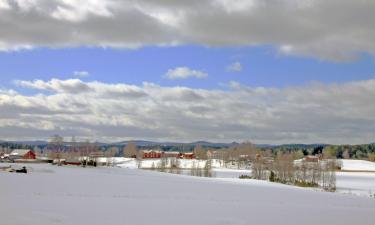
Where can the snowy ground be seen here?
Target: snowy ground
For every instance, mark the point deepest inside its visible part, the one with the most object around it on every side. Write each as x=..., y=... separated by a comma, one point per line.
x=156, y=163
x=356, y=183
x=357, y=165
x=96, y=196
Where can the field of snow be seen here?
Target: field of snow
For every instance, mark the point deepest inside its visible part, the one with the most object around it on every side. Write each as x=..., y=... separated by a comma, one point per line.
x=74, y=195
x=355, y=183
x=357, y=165
x=155, y=163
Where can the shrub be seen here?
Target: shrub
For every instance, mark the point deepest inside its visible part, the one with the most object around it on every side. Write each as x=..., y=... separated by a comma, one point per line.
x=272, y=177
x=245, y=177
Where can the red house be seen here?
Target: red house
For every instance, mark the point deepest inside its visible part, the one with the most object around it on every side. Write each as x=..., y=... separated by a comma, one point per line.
x=187, y=155
x=151, y=154
x=22, y=154
x=172, y=154
x=312, y=158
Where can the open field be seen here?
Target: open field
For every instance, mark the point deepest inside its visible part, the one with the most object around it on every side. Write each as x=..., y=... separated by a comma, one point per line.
x=73, y=195
x=357, y=165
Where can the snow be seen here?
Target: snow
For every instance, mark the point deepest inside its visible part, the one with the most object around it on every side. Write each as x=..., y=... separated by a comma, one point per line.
x=75, y=195
x=156, y=163
x=357, y=165
x=355, y=183
x=229, y=173
x=129, y=164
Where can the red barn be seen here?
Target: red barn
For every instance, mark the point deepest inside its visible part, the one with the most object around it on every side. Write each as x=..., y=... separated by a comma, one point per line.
x=187, y=155
x=172, y=154
x=151, y=154
x=22, y=154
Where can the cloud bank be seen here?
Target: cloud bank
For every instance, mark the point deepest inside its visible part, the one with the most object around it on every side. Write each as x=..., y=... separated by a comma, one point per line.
x=335, y=113
x=334, y=30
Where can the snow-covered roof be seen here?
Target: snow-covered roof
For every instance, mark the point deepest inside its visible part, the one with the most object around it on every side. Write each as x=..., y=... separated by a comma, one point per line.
x=149, y=151
x=20, y=151
x=172, y=152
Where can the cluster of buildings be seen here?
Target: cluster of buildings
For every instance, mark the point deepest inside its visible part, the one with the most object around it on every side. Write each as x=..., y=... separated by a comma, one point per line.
x=156, y=154
x=19, y=155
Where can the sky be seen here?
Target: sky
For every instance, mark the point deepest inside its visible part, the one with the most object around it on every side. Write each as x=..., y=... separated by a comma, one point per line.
x=270, y=72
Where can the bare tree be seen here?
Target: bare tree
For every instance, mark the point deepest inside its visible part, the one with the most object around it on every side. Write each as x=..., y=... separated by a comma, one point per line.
x=55, y=147
x=199, y=152
x=259, y=169
x=298, y=155
x=329, y=174
x=72, y=150
x=130, y=150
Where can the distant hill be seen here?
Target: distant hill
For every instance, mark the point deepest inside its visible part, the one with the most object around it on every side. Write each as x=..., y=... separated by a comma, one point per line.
x=301, y=146
x=145, y=144
x=136, y=142
x=26, y=142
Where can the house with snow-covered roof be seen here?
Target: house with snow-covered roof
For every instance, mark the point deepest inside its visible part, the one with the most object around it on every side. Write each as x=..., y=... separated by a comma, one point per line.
x=22, y=154
x=151, y=154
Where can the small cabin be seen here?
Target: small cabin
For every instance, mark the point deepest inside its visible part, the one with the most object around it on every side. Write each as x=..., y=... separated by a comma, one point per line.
x=22, y=154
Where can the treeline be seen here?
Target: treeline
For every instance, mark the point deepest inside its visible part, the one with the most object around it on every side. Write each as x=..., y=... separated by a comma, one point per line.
x=12, y=145
x=364, y=151
x=284, y=169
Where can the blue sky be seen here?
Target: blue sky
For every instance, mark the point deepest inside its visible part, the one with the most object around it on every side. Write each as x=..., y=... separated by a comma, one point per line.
x=261, y=66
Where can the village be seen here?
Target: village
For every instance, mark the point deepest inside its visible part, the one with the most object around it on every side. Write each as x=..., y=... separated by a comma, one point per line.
x=293, y=168
x=131, y=157
x=132, y=171
x=316, y=168
x=146, y=178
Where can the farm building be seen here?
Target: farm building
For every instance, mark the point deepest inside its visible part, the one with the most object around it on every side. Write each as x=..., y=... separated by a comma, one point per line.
x=74, y=162
x=156, y=154
x=215, y=154
x=187, y=155
x=312, y=158
x=22, y=154
x=151, y=154
x=171, y=154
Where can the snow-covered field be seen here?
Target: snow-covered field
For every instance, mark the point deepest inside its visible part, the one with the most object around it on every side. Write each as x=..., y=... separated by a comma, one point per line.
x=356, y=183
x=357, y=165
x=156, y=163
x=96, y=196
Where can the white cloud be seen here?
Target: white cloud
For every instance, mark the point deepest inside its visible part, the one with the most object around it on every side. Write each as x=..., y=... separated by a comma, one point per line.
x=234, y=67
x=232, y=6
x=77, y=11
x=4, y=4
x=305, y=27
x=183, y=73
x=81, y=73
x=315, y=113
x=55, y=85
